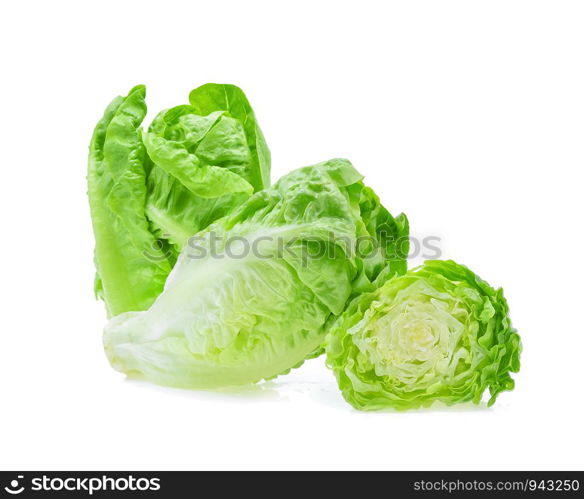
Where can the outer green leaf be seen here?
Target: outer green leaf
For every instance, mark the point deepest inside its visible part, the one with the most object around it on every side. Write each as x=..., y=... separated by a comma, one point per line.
x=284, y=265
x=131, y=269
x=437, y=333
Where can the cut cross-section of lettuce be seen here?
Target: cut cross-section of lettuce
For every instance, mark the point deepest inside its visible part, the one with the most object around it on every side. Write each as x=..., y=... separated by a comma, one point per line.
x=150, y=191
x=253, y=295
x=437, y=333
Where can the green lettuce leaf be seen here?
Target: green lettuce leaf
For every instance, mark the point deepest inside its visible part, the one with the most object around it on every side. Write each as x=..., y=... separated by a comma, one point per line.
x=437, y=333
x=131, y=269
x=207, y=158
x=253, y=295
x=212, y=97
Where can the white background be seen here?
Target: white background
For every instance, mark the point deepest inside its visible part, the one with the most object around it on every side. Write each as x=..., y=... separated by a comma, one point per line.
x=468, y=116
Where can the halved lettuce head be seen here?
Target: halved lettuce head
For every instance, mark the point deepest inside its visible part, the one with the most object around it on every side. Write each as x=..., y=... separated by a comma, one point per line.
x=150, y=191
x=437, y=333
x=252, y=296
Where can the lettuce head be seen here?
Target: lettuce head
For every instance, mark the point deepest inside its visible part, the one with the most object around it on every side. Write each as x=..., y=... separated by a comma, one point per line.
x=253, y=295
x=149, y=191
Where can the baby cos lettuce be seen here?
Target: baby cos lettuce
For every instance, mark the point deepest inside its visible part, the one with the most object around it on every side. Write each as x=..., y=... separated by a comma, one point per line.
x=437, y=333
x=149, y=191
x=253, y=295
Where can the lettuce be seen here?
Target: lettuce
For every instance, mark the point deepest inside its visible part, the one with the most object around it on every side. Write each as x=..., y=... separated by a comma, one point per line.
x=149, y=191
x=254, y=294
x=212, y=278
x=437, y=333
